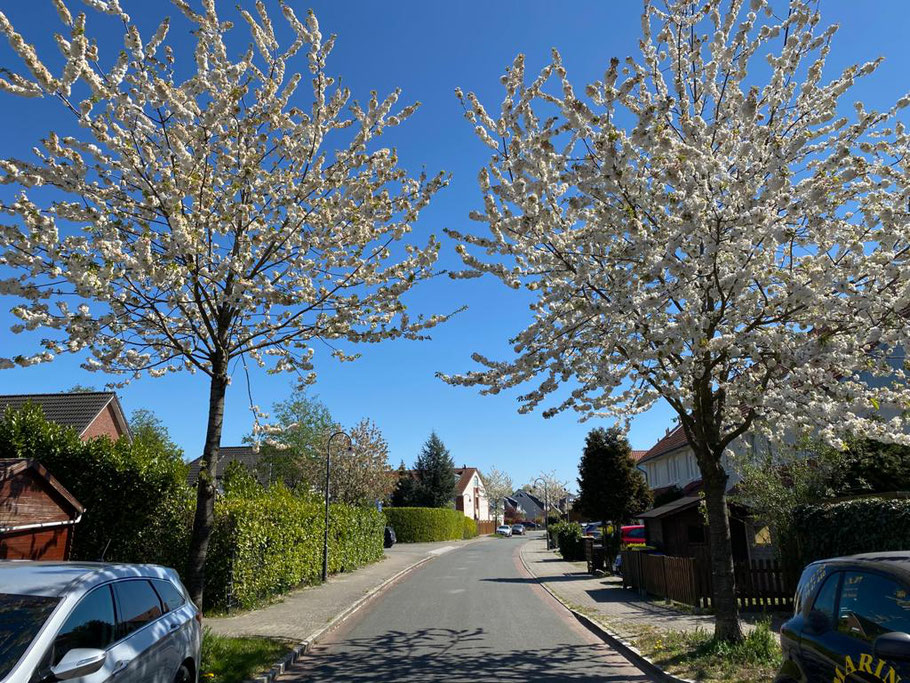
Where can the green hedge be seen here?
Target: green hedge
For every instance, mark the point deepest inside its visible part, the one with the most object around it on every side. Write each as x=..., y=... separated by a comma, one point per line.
x=470, y=527
x=567, y=537
x=422, y=525
x=855, y=526
x=138, y=507
x=266, y=545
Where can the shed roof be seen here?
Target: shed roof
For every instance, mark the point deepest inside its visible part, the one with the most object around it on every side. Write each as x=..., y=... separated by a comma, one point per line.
x=11, y=467
x=77, y=409
x=672, y=507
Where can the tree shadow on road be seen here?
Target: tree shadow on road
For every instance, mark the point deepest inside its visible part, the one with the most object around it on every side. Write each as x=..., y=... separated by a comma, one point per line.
x=456, y=655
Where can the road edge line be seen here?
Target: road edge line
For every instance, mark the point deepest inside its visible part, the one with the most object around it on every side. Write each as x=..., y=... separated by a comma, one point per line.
x=303, y=647
x=606, y=634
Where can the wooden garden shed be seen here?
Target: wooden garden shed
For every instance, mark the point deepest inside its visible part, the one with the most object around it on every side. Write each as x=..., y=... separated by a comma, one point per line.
x=37, y=514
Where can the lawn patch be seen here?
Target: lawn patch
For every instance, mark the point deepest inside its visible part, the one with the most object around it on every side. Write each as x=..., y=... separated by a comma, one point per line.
x=232, y=660
x=697, y=655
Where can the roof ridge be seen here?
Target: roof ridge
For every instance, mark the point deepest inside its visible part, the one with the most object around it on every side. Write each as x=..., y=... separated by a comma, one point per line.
x=62, y=393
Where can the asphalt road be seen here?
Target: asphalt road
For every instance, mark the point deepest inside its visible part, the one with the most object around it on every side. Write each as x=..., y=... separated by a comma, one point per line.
x=472, y=614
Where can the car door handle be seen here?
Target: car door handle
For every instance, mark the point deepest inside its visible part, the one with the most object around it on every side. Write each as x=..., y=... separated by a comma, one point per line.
x=120, y=666
x=173, y=627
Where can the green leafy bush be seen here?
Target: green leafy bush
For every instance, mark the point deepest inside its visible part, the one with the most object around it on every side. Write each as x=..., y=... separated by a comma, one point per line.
x=567, y=537
x=268, y=544
x=423, y=525
x=138, y=507
x=853, y=526
x=470, y=527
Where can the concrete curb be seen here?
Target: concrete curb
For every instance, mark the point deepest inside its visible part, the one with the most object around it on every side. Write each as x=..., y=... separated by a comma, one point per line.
x=613, y=639
x=300, y=650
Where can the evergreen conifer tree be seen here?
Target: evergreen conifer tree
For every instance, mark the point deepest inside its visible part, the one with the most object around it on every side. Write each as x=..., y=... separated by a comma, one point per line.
x=435, y=472
x=610, y=488
x=405, y=493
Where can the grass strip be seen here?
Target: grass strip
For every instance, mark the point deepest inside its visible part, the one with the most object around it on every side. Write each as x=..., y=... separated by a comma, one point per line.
x=227, y=659
x=697, y=655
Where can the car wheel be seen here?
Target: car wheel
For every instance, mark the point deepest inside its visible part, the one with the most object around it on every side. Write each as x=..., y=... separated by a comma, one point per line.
x=183, y=675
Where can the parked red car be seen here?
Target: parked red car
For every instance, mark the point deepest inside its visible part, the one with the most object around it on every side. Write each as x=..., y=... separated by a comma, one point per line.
x=633, y=533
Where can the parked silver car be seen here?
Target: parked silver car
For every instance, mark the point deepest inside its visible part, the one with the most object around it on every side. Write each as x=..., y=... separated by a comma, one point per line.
x=96, y=622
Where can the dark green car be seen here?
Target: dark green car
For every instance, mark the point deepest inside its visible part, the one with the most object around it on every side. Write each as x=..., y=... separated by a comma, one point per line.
x=851, y=621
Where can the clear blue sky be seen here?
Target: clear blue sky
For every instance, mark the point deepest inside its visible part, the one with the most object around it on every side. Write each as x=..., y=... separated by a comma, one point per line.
x=428, y=49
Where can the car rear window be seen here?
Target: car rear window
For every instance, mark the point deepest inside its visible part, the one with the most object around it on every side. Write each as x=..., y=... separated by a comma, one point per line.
x=21, y=617
x=137, y=605
x=170, y=595
x=871, y=605
x=636, y=533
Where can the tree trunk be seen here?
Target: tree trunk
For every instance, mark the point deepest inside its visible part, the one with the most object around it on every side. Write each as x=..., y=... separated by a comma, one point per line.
x=205, y=488
x=726, y=612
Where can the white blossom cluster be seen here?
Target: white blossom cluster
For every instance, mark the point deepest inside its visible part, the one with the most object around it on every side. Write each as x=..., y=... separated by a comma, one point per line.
x=203, y=219
x=702, y=225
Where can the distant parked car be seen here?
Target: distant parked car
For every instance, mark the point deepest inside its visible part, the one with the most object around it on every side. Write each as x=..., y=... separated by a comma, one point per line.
x=96, y=622
x=530, y=525
x=518, y=529
x=390, y=538
x=852, y=614
x=504, y=530
x=633, y=534
x=592, y=529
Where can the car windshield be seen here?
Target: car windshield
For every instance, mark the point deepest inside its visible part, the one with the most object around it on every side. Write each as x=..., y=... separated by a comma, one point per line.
x=21, y=617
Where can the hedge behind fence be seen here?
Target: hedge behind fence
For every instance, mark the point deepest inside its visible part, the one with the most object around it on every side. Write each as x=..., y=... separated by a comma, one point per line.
x=855, y=526
x=266, y=545
x=423, y=525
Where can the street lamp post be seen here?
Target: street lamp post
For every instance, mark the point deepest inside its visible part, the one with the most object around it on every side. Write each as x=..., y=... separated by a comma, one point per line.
x=546, y=509
x=328, y=461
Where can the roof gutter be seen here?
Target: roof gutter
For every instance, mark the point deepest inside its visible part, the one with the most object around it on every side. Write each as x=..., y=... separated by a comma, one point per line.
x=40, y=525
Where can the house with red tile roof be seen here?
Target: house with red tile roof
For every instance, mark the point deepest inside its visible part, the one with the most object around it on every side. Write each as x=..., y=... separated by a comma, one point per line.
x=677, y=526
x=470, y=494
x=91, y=413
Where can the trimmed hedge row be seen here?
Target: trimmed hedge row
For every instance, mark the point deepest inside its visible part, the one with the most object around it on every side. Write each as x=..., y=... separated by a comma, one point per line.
x=567, y=537
x=470, y=528
x=423, y=525
x=266, y=545
x=854, y=526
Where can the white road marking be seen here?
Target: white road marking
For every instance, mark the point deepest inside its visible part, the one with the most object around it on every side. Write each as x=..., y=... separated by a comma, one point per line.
x=444, y=549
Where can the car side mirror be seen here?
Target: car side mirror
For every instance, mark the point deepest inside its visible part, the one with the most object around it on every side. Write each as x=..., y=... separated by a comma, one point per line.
x=819, y=622
x=892, y=646
x=80, y=661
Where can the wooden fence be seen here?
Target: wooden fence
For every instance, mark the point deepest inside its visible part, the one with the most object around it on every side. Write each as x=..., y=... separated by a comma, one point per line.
x=485, y=527
x=760, y=584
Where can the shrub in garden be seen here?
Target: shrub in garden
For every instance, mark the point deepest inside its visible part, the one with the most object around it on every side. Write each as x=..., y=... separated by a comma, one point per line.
x=567, y=537
x=138, y=507
x=422, y=525
x=267, y=544
x=853, y=526
x=470, y=527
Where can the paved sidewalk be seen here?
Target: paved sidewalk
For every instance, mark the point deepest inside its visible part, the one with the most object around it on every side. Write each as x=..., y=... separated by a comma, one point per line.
x=303, y=612
x=604, y=599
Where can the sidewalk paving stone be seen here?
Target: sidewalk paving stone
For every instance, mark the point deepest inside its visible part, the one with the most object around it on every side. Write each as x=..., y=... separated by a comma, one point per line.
x=303, y=612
